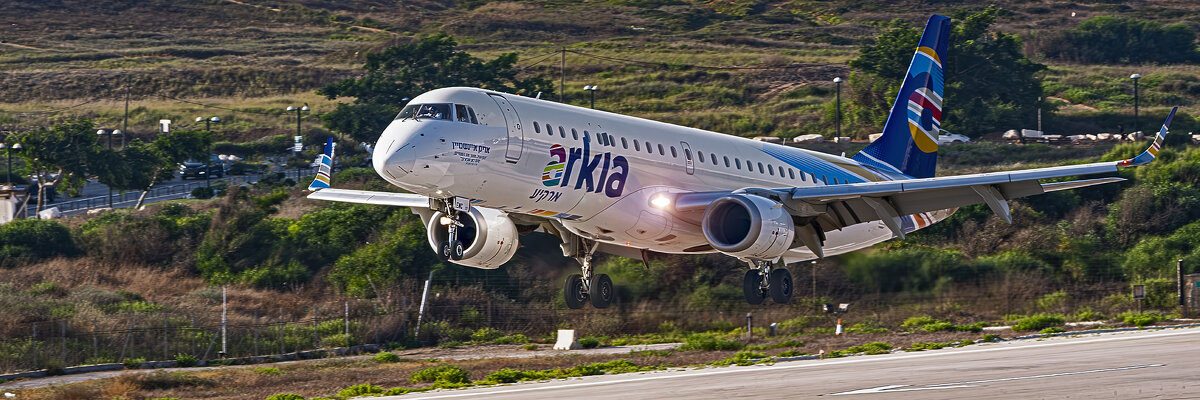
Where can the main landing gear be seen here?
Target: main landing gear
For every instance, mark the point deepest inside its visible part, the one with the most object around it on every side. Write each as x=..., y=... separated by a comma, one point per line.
x=762, y=281
x=582, y=289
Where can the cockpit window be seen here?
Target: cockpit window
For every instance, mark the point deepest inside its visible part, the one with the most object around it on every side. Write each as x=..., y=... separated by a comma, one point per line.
x=434, y=111
x=408, y=111
x=462, y=113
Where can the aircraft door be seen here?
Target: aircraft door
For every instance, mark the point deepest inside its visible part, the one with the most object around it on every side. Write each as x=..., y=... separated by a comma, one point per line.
x=516, y=138
x=689, y=165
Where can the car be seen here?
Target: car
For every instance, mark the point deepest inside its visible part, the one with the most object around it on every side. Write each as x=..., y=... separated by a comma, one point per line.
x=945, y=138
x=193, y=169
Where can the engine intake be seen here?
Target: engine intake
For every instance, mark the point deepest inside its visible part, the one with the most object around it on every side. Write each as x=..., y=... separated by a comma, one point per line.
x=748, y=226
x=488, y=236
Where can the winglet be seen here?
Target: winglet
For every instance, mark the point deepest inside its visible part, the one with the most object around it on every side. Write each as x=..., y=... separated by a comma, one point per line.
x=1151, y=153
x=322, y=179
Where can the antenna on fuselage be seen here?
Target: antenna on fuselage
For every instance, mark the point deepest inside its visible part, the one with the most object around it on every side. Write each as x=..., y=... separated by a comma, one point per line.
x=539, y=96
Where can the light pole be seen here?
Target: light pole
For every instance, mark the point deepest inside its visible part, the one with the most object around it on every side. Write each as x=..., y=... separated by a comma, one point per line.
x=208, y=157
x=837, y=108
x=110, y=133
x=592, y=89
x=1135, y=78
x=298, y=111
x=8, y=154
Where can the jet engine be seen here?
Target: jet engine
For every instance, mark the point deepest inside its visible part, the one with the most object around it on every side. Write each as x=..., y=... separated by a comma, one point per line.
x=748, y=226
x=488, y=236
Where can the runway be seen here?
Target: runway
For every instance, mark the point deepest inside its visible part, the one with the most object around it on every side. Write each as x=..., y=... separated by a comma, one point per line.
x=1125, y=365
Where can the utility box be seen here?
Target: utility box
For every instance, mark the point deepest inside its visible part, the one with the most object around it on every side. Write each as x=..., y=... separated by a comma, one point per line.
x=1191, y=291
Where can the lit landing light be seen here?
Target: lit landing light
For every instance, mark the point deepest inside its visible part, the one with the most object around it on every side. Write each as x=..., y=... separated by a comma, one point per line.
x=660, y=201
x=446, y=221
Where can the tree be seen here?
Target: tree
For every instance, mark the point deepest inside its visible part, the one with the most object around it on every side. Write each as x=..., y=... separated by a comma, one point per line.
x=158, y=159
x=990, y=84
x=404, y=71
x=1109, y=39
x=63, y=156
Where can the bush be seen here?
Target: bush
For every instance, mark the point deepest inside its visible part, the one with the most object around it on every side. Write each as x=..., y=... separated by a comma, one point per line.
x=871, y=348
x=987, y=337
x=28, y=240
x=937, y=327
x=589, y=342
x=285, y=396
x=203, y=192
x=484, y=335
x=269, y=371
x=705, y=341
x=1038, y=322
x=441, y=373
x=1141, y=319
x=386, y=357
x=365, y=389
x=1053, y=329
x=161, y=380
x=133, y=363
x=530, y=347
x=512, y=339
x=186, y=360
x=509, y=375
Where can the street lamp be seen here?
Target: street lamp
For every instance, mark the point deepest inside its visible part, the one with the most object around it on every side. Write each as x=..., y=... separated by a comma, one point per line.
x=8, y=154
x=208, y=122
x=592, y=90
x=208, y=157
x=298, y=111
x=837, y=111
x=1135, y=78
x=110, y=133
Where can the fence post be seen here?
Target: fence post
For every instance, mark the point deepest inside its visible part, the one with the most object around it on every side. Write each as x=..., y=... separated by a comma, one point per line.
x=95, y=340
x=316, y=321
x=346, y=318
x=255, y=333
x=281, y=337
x=62, y=350
x=128, y=336
x=34, y=343
x=166, y=339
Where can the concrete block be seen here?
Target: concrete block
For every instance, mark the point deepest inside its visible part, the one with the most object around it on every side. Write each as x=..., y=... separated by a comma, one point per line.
x=566, y=340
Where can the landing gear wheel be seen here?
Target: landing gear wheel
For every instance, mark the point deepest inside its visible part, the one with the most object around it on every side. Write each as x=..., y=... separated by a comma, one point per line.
x=457, y=252
x=781, y=286
x=752, y=287
x=573, y=292
x=444, y=252
x=601, y=292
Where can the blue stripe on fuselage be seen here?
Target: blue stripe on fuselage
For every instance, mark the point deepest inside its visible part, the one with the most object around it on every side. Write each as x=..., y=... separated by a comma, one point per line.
x=810, y=164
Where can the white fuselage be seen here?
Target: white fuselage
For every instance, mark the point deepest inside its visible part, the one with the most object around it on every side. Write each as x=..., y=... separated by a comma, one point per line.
x=596, y=171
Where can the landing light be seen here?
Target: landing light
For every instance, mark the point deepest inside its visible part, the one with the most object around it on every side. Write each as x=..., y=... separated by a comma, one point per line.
x=445, y=221
x=660, y=201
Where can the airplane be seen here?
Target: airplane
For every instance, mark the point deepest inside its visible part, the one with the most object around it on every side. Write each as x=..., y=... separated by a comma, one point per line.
x=485, y=167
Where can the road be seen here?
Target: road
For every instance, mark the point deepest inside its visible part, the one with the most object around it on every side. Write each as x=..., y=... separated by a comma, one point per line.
x=1125, y=365
x=95, y=194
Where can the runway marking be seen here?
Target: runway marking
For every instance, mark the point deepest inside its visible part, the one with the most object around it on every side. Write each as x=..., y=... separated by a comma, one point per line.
x=971, y=384
x=760, y=368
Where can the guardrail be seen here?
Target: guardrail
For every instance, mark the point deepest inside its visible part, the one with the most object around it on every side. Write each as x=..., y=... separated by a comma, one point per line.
x=129, y=198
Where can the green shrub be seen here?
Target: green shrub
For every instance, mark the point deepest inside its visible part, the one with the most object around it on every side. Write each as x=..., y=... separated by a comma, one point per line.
x=133, y=363
x=365, y=389
x=162, y=380
x=1038, y=322
x=987, y=337
x=511, y=339
x=790, y=353
x=336, y=340
x=1053, y=329
x=269, y=371
x=1087, y=314
x=186, y=360
x=509, y=375
x=918, y=321
x=939, y=326
x=922, y=346
x=441, y=373
x=386, y=357
x=530, y=347
x=25, y=241
x=484, y=335
x=866, y=327
x=975, y=327
x=871, y=348
x=589, y=342
x=1140, y=319
x=705, y=341
x=285, y=396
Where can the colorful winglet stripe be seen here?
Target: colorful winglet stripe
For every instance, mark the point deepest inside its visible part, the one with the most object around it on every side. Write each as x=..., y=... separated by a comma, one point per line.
x=1152, y=152
x=326, y=166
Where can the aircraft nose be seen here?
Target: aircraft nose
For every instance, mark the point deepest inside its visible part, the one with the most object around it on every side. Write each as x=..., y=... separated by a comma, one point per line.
x=397, y=164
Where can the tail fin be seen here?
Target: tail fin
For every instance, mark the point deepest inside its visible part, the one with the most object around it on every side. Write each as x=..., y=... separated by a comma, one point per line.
x=322, y=180
x=909, y=142
x=1152, y=152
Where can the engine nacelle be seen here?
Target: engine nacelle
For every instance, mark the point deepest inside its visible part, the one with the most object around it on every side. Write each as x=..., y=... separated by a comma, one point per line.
x=748, y=226
x=488, y=236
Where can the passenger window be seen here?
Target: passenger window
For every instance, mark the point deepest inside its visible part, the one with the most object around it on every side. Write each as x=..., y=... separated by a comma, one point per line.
x=814, y=176
x=760, y=169
x=726, y=161
x=574, y=134
x=738, y=162
x=824, y=179
x=673, y=153
x=792, y=174
x=780, y=171
x=636, y=145
x=549, y=130
x=771, y=170
x=624, y=144
x=649, y=148
x=460, y=111
x=536, y=128
x=700, y=155
x=660, y=150
x=562, y=133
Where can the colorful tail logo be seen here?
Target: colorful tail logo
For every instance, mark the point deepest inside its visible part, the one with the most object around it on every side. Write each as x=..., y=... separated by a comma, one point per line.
x=322, y=180
x=909, y=142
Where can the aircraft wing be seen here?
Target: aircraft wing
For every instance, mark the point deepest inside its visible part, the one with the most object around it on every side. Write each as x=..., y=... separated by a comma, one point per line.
x=371, y=197
x=826, y=208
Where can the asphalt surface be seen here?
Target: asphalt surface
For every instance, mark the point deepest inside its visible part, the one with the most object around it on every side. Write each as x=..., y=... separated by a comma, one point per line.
x=1126, y=365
